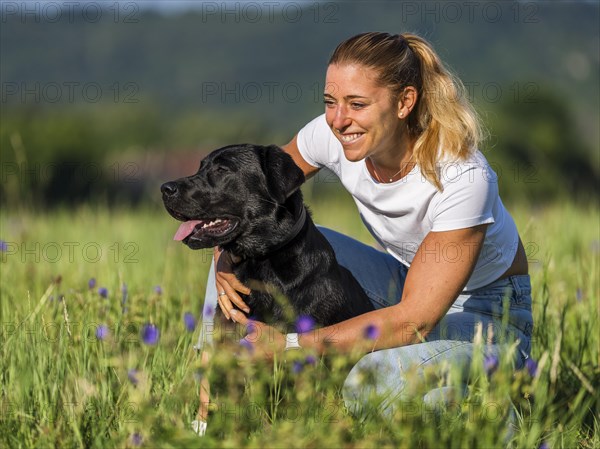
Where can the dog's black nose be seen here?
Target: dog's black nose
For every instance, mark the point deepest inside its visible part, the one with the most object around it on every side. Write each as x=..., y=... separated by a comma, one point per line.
x=169, y=188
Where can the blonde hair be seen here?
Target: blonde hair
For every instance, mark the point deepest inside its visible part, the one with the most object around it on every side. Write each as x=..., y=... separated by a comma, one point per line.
x=443, y=121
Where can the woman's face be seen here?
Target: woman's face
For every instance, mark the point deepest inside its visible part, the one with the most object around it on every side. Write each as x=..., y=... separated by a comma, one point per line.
x=362, y=115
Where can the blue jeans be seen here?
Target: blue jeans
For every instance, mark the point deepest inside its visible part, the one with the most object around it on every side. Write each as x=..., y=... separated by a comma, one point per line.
x=450, y=342
x=382, y=277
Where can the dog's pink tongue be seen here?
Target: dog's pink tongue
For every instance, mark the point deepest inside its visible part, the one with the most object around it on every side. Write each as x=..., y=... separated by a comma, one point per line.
x=185, y=229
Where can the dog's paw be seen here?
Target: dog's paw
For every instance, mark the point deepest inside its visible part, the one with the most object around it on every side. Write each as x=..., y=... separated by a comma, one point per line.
x=199, y=427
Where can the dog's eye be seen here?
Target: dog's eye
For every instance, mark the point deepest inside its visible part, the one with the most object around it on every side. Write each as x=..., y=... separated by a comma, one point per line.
x=222, y=169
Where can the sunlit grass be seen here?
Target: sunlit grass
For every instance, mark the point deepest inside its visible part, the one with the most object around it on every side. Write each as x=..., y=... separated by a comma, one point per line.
x=63, y=386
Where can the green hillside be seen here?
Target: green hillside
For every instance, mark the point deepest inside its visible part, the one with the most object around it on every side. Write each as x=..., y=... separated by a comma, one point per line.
x=134, y=78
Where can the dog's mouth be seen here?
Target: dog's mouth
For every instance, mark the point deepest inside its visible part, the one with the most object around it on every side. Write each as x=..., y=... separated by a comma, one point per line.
x=215, y=227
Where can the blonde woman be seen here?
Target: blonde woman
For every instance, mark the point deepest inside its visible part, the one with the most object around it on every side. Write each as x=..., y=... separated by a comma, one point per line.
x=403, y=139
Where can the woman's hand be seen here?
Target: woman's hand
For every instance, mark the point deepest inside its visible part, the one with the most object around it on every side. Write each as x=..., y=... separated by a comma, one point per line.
x=262, y=340
x=228, y=285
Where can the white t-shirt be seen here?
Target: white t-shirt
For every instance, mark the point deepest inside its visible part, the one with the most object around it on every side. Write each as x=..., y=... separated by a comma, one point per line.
x=400, y=214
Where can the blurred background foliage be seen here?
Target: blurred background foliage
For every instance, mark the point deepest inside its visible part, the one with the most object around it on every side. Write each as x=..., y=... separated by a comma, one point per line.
x=108, y=107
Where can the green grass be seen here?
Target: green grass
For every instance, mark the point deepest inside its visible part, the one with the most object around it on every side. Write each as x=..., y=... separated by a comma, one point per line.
x=62, y=387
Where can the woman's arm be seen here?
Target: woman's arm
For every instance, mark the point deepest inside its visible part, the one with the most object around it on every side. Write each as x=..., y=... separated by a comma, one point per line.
x=439, y=271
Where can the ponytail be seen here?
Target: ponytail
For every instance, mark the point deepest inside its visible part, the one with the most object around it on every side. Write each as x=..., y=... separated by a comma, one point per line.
x=446, y=123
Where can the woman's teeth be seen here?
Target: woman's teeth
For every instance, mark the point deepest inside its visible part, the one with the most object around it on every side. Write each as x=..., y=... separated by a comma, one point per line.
x=349, y=137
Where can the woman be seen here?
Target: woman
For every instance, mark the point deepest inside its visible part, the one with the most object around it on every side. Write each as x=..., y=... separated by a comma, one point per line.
x=401, y=136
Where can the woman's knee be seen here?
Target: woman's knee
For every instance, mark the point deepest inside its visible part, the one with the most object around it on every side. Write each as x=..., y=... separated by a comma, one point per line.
x=373, y=383
x=384, y=378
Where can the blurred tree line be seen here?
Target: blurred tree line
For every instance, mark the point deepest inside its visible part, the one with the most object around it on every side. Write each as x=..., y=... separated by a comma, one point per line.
x=79, y=94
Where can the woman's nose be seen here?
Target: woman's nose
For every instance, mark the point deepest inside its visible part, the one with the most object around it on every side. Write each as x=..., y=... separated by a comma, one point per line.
x=340, y=118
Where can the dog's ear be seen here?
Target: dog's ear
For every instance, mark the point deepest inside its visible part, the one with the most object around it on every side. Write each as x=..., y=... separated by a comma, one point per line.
x=283, y=176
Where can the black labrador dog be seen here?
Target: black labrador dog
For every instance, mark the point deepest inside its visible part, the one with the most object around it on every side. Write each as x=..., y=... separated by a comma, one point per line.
x=246, y=199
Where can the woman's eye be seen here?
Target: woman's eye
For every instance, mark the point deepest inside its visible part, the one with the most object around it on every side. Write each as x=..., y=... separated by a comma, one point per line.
x=358, y=105
x=328, y=102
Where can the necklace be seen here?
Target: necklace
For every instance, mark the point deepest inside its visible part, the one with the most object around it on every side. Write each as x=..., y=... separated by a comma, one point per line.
x=391, y=178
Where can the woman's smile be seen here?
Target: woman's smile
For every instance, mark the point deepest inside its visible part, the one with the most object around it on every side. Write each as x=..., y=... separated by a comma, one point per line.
x=349, y=139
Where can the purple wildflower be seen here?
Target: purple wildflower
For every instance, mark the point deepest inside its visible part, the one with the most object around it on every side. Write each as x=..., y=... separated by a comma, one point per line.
x=208, y=311
x=579, y=295
x=297, y=367
x=158, y=290
x=544, y=445
x=103, y=291
x=372, y=332
x=311, y=360
x=248, y=345
x=304, y=324
x=251, y=326
x=531, y=366
x=131, y=376
x=124, y=292
x=490, y=364
x=3, y=246
x=190, y=321
x=150, y=334
x=102, y=332
x=136, y=439
x=92, y=283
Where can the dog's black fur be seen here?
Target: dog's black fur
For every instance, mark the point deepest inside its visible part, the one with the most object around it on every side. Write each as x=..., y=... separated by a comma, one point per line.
x=255, y=191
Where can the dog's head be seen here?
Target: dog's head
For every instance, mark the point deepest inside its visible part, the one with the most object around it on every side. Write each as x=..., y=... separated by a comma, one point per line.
x=234, y=197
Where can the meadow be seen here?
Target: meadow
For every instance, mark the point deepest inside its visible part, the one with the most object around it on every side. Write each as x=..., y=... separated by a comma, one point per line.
x=100, y=311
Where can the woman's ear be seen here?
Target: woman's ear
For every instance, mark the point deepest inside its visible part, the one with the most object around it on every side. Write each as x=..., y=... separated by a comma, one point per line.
x=407, y=101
